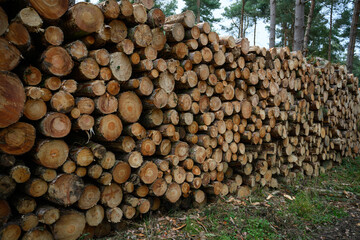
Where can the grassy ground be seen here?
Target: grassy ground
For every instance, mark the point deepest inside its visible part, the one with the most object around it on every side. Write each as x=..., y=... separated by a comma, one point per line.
x=326, y=207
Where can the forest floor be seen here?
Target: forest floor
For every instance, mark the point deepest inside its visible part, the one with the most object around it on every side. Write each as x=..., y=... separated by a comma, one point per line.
x=326, y=207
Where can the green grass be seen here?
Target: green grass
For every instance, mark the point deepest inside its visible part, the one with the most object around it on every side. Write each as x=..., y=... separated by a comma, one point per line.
x=258, y=218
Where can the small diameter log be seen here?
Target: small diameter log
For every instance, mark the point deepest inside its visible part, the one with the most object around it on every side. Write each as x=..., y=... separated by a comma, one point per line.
x=82, y=19
x=174, y=32
x=148, y=172
x=62, y=102
x=106, y=104
x=95, y=215
x=12, y=95
x=24, y=204
x=4, y=23
x=173, y=192
x=107, y=161
x=155, y=18
x=38, y=233
x=18, y=35
x=65, y=190
x=9, y=55
x=55, y=125
x=101, y=56
x=7, y=186
x=82, y=156
x=53, y=36
x=56, y=61
x=87, y=70
x=35, y=187
x=17, y=139
x=51, y=153
x=114, y=215
x=110, y=9
x=77, y=50
x=45, y=174
x=141, y=35
x=20, y=173
x=118, y=31
x=108, y=128
x=187, y=19
x=69, y=226
x=111, y=196
x=10, y=231
x=89, y=197
x=120, y=66
x=130, y=107
x=121, y=172
x=158, y=39
x=47, y=214
x=50, y=11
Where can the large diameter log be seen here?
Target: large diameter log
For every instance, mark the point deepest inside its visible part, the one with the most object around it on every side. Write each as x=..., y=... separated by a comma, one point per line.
x=65, y=189
x=51, y=10
x=82, y=19
x=69, y=226
x=56, y=61
x=17, y=139
x=51, y=153
x=130, y=107
x=120, y=66
x=12, y=98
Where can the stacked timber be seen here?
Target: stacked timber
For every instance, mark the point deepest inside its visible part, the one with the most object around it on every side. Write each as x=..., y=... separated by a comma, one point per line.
x=109, y=111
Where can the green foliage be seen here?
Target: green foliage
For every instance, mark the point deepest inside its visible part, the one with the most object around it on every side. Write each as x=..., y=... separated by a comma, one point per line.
x=253, y=11
x=206, y=10
x=167, y=6
x=310, y=207
x=260, y=228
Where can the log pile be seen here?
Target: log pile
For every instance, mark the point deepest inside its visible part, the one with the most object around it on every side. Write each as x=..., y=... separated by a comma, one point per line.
x=110, y=110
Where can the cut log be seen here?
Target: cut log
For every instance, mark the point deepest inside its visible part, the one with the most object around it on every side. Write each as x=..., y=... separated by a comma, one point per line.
x=82, y=19
x=65, y=190
x=17, y=139
x=56, y=61
x=69, y=226
x=130, y=107
x=51, y=153
x=120, y=66
x=50, y=10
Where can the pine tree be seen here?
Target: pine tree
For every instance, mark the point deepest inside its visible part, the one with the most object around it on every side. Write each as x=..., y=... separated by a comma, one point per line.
x=167, y=6
x=203, y=9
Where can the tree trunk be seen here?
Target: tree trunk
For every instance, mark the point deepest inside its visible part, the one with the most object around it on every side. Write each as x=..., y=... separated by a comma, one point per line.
x=330, y=30
x=352, y=37
x=308, y=26
x=255, y=21
x=198, y=11
x=242, y=18
x=272, y=23
x=299, y=25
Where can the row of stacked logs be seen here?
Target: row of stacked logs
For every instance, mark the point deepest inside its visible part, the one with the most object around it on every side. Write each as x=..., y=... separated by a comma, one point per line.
x=109, y=111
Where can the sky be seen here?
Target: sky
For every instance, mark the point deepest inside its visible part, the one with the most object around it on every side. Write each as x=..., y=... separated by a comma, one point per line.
x=262, y=34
